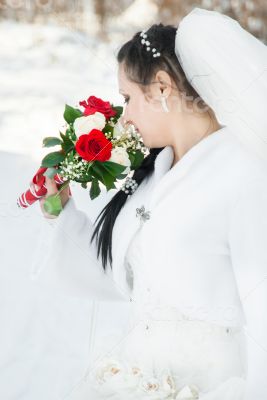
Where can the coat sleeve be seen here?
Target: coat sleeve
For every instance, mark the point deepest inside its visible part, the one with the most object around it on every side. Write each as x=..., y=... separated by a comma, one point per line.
x=66, y=262
x=248, y=249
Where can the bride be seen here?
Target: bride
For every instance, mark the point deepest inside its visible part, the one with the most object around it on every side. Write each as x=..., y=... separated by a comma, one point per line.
x=187, y=248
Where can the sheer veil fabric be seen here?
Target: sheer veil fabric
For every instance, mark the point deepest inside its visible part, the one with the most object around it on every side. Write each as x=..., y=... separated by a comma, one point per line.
x=227, y=66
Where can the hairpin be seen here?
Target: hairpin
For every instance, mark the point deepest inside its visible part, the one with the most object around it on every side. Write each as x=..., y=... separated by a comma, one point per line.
x=129, y=186
x=143, y=35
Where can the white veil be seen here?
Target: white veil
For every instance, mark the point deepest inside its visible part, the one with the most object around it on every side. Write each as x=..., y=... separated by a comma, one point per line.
x=227, y=66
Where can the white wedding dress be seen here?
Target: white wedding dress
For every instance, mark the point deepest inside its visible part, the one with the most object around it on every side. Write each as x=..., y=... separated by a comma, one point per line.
x=164, y=354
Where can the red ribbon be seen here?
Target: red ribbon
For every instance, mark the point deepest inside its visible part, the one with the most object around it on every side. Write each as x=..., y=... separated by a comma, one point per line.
x=37, y=188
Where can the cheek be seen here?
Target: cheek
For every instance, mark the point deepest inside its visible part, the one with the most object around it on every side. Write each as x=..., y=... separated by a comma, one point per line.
x=146, y=116
x=143, y=111
x=137, y=105
x=151, y=128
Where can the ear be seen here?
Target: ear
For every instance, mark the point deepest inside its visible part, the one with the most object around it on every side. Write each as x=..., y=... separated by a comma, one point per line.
x=162, y=85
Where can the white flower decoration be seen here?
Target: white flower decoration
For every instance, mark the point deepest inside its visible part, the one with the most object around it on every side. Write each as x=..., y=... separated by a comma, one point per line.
x=111, y=376
x=151, y=387
x=117, y=130
x=119, y=155
x=117, y=379
x=168, y=383
x=84, y=125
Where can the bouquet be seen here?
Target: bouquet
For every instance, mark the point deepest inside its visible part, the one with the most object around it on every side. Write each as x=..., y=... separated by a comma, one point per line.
x=94, y=149
x=115, y=378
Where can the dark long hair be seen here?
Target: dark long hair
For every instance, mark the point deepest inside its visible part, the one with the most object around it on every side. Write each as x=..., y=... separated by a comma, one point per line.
x=141, y=67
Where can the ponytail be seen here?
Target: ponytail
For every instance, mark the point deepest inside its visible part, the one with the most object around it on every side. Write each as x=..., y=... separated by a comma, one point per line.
x=107, y=217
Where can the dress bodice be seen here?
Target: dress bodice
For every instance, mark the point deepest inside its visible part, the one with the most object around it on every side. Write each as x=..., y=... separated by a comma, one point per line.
x=137, y=274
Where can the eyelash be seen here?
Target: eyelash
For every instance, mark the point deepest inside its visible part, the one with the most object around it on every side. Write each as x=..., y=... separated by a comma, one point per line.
x=126, y=100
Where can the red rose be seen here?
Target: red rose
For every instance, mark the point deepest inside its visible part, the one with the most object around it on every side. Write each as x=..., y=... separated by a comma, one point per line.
x=94, y=104
x=94, y=146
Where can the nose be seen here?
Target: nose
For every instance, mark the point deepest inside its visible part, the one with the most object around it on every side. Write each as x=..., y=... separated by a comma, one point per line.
x=124, y=120
x=125, y=115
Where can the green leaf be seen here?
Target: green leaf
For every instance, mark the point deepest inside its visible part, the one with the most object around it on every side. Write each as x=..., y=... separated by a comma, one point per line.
x=50, y=172
x=52, y=205
x=113, y=168
x=121, y=176
x=51, y=141
x=70, y=114
x=53, y=159
x=119, y=110
x=67, y=144
x=103, y=176
x=84, y=179
x=136, y=159
x=84, y=185
x=95, y=189
x=107, y=128
x=63, y=137
x=70, y=133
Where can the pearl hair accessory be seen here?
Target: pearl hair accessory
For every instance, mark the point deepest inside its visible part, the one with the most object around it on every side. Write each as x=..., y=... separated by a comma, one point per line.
x=143, y=35
x=129, y=186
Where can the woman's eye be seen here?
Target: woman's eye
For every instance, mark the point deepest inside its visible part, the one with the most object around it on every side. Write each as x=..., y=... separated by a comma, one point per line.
x=126, y=100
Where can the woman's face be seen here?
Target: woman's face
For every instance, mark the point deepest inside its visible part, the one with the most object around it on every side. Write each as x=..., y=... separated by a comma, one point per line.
x=145, y=113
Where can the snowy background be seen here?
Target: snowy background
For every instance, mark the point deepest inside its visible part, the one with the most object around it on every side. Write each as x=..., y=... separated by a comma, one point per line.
x=45, y=337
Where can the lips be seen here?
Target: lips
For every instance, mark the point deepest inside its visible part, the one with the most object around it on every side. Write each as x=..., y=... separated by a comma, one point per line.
x=132, y=123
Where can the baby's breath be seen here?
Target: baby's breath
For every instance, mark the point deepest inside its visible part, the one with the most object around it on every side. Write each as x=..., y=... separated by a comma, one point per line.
x=73, y=168
x=130, y=139
x=108, y=135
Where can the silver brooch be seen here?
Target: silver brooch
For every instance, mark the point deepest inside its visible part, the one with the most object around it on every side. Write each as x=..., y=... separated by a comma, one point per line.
x=142, y=214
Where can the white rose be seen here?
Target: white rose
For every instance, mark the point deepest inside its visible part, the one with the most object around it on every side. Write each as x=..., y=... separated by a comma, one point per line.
x=85, y=124
x=119, y=155
x=168, y=383
x=150, y=387
x=114, y=376
x=107, y=376
x=107, y=368
x=187, y=393
x=122, y=131
x=117, y=129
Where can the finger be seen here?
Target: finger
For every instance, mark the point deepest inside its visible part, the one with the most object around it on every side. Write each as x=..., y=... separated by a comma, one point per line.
x=51, y=186
x=65, y=195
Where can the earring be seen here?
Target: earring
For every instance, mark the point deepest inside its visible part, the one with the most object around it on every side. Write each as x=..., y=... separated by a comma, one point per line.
x=164, y=104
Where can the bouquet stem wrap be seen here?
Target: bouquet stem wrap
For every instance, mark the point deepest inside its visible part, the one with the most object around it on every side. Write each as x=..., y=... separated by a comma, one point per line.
x=37, y=188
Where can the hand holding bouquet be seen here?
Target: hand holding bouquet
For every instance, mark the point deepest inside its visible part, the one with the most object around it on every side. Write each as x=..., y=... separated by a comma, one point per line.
x=94, y=148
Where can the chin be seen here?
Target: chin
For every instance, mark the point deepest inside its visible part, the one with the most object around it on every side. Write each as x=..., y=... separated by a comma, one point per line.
x=148, y=140
x=148, y=144
x=145, y=141
x=152, y=145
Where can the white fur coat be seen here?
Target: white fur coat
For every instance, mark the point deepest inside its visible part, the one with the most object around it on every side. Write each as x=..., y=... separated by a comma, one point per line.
x=204, y=246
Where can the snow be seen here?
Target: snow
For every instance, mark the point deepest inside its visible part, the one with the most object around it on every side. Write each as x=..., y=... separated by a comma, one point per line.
x=44, y=336
x=42, y=68
x=140, y=12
